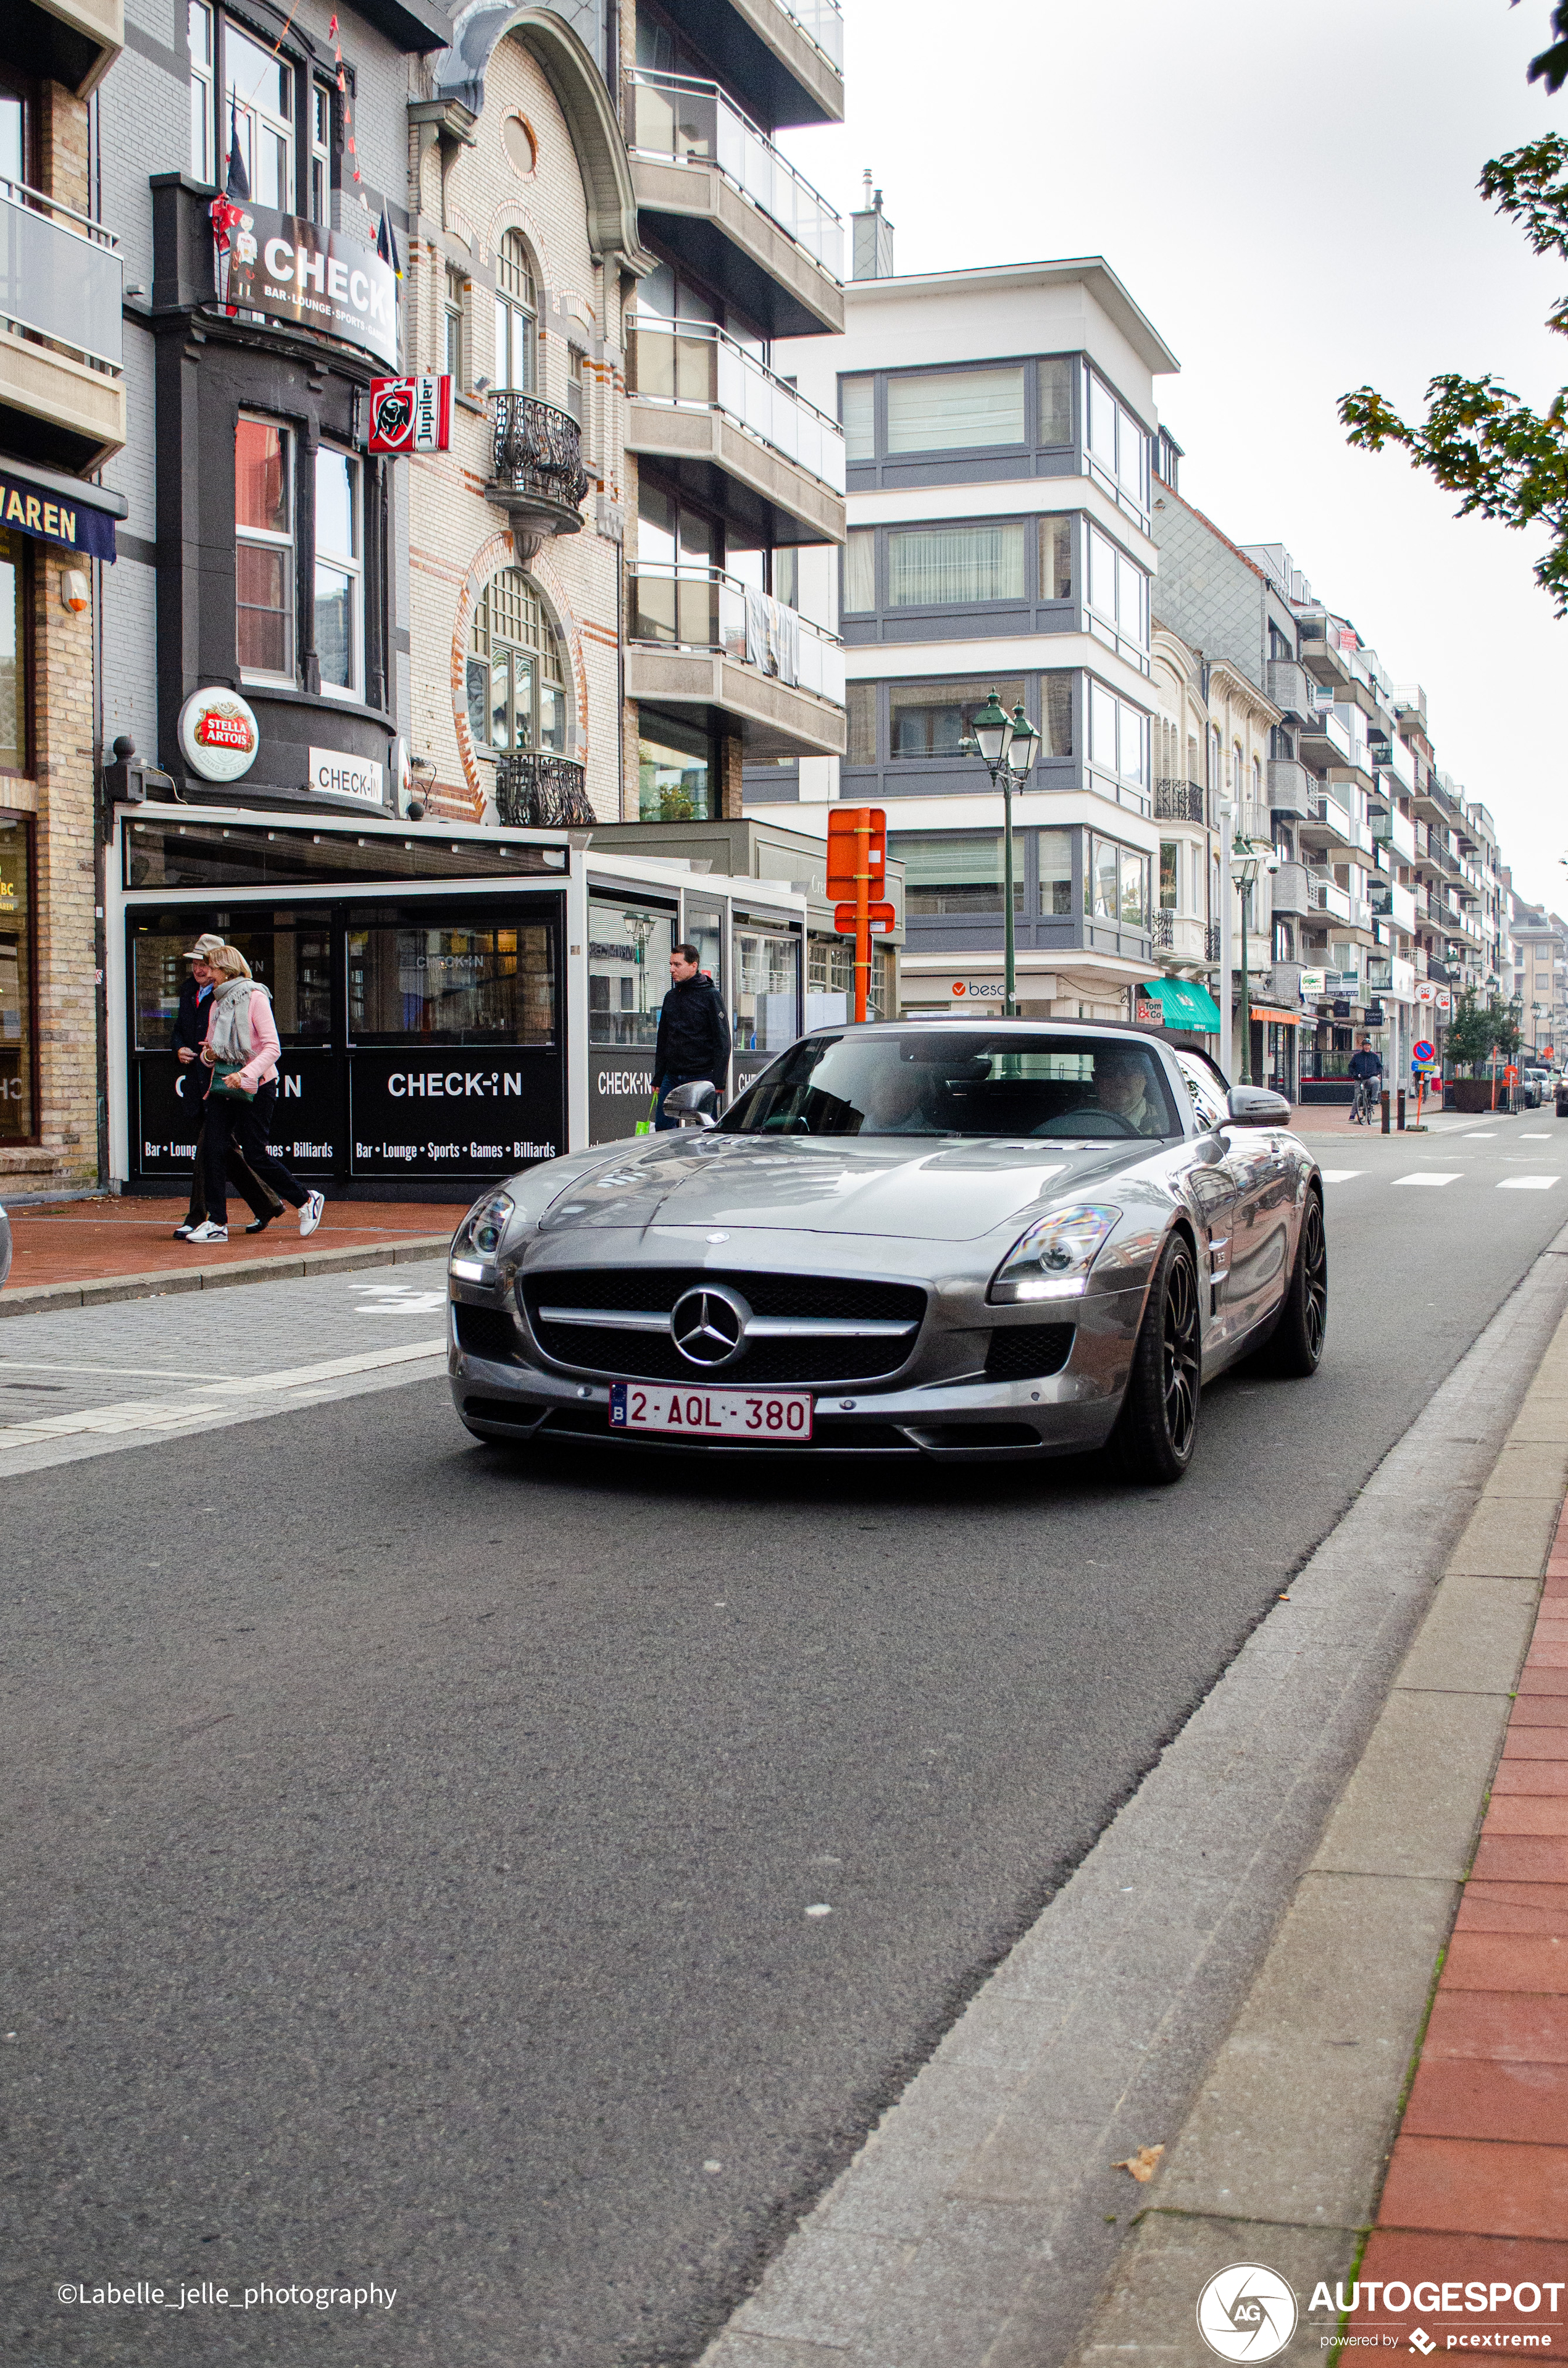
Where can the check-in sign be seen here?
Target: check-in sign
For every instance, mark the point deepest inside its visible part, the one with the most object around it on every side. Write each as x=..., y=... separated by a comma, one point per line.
x=301, y=271
x=338, y=775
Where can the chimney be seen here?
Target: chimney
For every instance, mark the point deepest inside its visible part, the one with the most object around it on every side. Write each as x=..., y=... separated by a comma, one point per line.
x=872, y=250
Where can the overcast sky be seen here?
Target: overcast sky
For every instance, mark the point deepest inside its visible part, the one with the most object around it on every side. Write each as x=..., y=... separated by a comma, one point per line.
x=1289, y=195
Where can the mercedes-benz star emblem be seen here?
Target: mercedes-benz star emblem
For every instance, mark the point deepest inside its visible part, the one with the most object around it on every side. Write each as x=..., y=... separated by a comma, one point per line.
x=708, y=1324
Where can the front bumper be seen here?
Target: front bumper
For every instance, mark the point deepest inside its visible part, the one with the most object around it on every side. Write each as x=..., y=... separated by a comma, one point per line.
x=952, y=1417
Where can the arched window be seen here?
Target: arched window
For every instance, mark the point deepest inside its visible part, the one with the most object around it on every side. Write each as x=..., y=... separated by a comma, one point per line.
x=517, y=681
x=516, y=313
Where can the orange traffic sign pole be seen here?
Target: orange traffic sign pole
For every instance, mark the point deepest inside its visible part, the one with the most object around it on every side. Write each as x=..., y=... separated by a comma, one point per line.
x=862, y=913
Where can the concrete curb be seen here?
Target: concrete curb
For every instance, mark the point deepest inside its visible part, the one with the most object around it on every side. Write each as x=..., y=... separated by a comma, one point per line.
x=978, y=2224
x=45, y=1298
x=1282, y=2158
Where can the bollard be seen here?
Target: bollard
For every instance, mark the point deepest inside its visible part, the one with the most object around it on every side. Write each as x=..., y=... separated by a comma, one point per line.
x=1385, y=1103
x=1400, y=1119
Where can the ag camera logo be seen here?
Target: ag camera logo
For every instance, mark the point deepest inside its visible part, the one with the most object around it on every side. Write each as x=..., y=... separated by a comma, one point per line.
x=1246, y=2312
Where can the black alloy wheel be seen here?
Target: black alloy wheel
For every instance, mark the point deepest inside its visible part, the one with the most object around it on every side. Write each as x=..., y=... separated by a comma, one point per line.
x=1157, y=1429
x=1294, y=1351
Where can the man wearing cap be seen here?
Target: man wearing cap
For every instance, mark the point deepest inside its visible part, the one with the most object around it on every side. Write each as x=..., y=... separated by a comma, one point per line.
x=185, y=1036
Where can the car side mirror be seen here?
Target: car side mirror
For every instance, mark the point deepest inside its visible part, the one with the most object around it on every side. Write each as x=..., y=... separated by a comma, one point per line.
x=1255, y=1106
x=696, y=1104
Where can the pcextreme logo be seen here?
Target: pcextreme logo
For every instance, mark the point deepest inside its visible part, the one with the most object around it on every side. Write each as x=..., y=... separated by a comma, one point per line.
x=1247, y=2312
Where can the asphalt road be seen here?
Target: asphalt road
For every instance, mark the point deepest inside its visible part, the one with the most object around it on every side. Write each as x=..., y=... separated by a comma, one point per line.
x=409, y=1847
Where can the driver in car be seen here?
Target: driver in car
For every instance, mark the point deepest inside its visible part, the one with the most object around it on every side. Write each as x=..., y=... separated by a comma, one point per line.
x=1121, y=1087
x=893, y=1099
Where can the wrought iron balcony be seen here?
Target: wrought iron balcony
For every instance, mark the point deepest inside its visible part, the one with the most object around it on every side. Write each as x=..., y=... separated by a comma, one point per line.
x=538, y=478
x=536, y=791
x=1180, y=801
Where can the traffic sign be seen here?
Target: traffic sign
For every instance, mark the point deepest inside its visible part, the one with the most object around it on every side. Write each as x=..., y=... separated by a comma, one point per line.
x=1423, y=1051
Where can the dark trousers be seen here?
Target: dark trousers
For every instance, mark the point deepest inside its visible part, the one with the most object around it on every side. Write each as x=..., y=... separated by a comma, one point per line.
x=258, y=1199
x=233, y=1123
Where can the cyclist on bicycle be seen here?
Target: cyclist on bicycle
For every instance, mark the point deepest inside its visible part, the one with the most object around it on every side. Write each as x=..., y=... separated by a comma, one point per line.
x=1366, y=1069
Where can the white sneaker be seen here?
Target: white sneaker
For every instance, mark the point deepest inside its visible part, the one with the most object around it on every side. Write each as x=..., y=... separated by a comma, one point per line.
x=207, y=1233
x=311, y=1214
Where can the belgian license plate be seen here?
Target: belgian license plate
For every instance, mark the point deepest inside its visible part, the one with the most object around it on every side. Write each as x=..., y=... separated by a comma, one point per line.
x=763, y=1415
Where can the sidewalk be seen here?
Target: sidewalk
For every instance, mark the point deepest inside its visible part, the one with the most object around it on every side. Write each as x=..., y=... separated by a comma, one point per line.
x=1477, y=2186
x=109, y=1247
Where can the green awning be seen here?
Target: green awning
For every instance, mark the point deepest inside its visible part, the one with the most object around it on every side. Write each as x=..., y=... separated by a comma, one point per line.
x=1185, y=1004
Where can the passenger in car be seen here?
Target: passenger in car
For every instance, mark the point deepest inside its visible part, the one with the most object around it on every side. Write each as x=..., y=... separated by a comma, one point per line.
x=895, y=1098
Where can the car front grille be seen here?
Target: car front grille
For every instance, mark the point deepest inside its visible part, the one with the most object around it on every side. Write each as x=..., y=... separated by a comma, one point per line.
x=1025, y=1352
x=645, y=1349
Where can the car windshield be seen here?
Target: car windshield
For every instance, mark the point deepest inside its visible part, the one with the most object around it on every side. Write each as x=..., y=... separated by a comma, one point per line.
x=949, y=1081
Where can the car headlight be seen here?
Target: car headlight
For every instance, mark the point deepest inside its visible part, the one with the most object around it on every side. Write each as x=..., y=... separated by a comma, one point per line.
x=479, y=1237
x=1052, y=1259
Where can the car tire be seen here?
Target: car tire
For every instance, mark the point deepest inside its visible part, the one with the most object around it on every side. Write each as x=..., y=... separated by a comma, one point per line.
x=1293, y=1350
x=1157, y=1429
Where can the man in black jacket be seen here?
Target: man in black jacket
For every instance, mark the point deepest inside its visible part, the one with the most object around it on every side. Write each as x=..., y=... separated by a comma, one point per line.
x=186, y=1039
x=694, y=1032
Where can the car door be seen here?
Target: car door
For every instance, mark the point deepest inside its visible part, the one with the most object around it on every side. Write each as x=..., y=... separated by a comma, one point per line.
x=1213, y=1190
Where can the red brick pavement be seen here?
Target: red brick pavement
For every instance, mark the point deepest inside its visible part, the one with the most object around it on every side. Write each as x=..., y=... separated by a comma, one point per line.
x=1477, y=2188
x=90, y=1241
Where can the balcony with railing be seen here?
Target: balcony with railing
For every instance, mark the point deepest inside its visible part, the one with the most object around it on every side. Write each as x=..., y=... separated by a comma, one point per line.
x=537, y=790
x=1328, y=897
x=702, y=170
x=1180, y=939
x=1395, y=833
x=1395, y=904
x=1325, y=741
x=1181, y=801
x=59, y=327
x=699, y=637
x=537, y=473
x=1291, y=787
x=1290, y=889
x=703, y=402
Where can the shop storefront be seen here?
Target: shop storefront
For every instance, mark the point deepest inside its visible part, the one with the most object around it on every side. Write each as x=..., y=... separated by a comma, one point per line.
x=451, y=1007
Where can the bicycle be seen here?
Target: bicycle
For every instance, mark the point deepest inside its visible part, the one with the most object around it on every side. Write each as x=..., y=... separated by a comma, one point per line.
x=1361, y=1103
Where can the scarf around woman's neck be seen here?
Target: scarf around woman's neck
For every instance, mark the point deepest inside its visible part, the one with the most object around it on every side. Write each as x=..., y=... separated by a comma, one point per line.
x=227, y=1038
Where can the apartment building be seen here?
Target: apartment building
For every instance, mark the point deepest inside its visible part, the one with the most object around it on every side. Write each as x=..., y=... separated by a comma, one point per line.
x=1538, y=974
x=63, y=417
x=999, y=426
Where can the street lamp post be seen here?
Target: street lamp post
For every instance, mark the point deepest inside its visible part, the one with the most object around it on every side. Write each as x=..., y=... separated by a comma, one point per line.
x=1248, y=858
x=1008, y=746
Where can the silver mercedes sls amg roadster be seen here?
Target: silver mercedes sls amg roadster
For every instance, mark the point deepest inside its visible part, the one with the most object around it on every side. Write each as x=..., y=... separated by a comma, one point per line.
x=924, y=1237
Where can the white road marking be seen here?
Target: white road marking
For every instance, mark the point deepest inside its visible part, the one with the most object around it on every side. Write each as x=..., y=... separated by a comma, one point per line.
x=119, y=1372
x=1428, y=1175
x=215, y=1401
x=1481, y=1138
x=1339, y=1174
x=1527, y=1183
x=1536, y=1138
x=398, y=1299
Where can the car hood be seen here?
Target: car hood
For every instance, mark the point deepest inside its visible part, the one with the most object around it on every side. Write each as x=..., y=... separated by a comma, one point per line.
x=924, y=1191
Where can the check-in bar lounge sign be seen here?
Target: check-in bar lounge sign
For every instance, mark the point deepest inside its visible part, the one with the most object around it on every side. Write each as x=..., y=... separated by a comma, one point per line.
x=300, y=271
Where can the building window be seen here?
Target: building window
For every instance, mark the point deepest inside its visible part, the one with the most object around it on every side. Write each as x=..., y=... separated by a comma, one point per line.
x=264, y=556
x=1116, y=884
x=629, y=958
x=1055, y=399
x=258, y=101
x=575, y=404
x=453, y=340
x=321, y=154
x=18, y=1121
x=516, y=677
x=1117, y=443
x=14, y=687
x=1118, y=735
x=956, y=567
x=1056, y=559
x=933, y=719
x=1056, y=873
x=516, y=316
x=860, y=569
x=674, y=771
x=1056, y=715
x=1169, y=897
x=858, y=412
x=768, y=995
x=951, y=411
x=1118, y=590
x=340, y=604
x=861, y=701
x=452, y=986
x=955, y=871
x=203, y=111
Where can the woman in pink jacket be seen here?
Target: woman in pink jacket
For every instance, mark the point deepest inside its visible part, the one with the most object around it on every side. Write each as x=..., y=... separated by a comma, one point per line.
x=242, y=1048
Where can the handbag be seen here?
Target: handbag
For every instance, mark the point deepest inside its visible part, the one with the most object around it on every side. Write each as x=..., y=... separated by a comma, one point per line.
x=223, y=1076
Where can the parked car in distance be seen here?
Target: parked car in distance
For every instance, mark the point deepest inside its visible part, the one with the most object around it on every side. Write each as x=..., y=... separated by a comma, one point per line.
x=1561, y=1093
x=1535, y=1083
x=945, y=1240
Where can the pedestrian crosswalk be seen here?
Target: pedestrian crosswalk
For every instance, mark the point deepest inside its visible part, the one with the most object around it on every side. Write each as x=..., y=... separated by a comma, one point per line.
x=1433, y=1179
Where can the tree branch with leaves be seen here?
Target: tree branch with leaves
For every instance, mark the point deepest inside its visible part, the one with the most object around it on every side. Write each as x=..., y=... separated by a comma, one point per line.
x=1505, y=460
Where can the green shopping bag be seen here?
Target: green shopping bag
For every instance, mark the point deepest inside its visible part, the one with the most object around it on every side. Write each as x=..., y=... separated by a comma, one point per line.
x=645, y=1125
